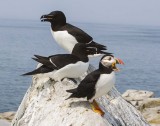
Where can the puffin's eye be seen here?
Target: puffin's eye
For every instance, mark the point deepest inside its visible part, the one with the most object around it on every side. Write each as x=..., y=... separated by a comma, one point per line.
x=109, y=58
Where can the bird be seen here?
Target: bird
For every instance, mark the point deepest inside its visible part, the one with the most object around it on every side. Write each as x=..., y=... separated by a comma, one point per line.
x=98, y=82
x=62, y=66
x=67, y=35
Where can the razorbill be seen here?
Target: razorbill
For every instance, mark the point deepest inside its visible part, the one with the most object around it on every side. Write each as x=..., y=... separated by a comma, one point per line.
x=98, y=82
x=66, y=65
x=67, y=35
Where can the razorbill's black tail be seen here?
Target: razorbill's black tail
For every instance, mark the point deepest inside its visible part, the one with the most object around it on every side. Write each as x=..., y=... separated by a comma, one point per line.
x=41, y=57
x=99, y=46
x=106, y=53
x=40, y=70
x=95, y=48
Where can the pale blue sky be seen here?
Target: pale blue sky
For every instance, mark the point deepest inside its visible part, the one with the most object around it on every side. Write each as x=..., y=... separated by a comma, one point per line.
x=145, y=12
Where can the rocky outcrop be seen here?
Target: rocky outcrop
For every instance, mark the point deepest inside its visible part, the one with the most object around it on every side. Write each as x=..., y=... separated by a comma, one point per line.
x=4, y=122
x=7, y=116
x=144, y=101
x=44, y=104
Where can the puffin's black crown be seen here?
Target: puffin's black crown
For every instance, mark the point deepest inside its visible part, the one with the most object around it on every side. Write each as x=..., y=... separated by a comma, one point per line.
x=107, y=54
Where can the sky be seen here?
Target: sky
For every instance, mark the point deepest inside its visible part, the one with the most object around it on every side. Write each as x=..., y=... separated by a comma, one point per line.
x=141, y=12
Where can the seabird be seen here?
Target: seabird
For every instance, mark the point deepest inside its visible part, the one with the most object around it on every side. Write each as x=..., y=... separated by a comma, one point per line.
x=67, y=65
x=67, y=35
x=98, y=82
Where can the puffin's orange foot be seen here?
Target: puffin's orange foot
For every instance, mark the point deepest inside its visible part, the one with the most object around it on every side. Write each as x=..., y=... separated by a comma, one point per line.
x=96, y=108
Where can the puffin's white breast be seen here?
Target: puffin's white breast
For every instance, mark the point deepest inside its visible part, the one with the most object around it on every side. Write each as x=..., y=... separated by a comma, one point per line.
x=64, y=39
x=104, y=84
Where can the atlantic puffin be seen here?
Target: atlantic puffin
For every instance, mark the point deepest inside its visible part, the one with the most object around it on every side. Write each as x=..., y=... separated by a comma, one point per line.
x=98, y=82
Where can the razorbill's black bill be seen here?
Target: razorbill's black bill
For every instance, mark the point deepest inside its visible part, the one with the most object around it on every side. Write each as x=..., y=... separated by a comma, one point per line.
x=67, y=35
x=98, y=82
x=67, y=65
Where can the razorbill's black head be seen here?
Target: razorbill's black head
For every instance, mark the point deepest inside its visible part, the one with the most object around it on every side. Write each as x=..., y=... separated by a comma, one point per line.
x=55, y=18
x=66, y=65
x=98, y=82
x=86, y=50
x=67, y=35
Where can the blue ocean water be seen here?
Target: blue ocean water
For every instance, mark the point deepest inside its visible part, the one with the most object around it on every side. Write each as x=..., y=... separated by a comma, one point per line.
x=137, y=46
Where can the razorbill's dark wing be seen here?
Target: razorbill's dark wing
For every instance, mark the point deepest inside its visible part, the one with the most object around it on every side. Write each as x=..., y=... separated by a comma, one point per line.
x=79, y=34
x=62, y=60
x=53, y=62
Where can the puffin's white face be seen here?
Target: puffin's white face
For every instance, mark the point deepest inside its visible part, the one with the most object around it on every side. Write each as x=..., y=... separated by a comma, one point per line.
x=108, y=61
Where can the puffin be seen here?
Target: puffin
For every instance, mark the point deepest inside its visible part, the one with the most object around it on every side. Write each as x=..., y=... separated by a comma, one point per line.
x=98, y=82
x=67, y=35
x=60, y=66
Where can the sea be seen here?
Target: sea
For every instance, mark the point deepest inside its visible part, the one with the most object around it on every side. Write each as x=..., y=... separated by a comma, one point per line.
x=137, y=45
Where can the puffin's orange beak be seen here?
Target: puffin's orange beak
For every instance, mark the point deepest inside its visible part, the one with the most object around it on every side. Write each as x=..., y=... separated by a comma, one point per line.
x=119, y=61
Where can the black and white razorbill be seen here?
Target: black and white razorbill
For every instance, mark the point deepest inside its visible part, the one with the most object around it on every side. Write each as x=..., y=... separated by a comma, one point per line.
x=67, y=65
x=67, y=35
x=98, y=82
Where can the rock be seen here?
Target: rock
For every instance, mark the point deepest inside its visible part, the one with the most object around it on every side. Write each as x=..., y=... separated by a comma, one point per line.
x=150, y=103
x=149, y=107
x=7, y=115
x=44, y=104
x=137, y=95
x=4, y=122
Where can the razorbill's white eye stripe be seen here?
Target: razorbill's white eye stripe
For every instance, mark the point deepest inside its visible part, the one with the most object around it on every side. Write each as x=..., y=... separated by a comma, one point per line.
x=67, y=35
